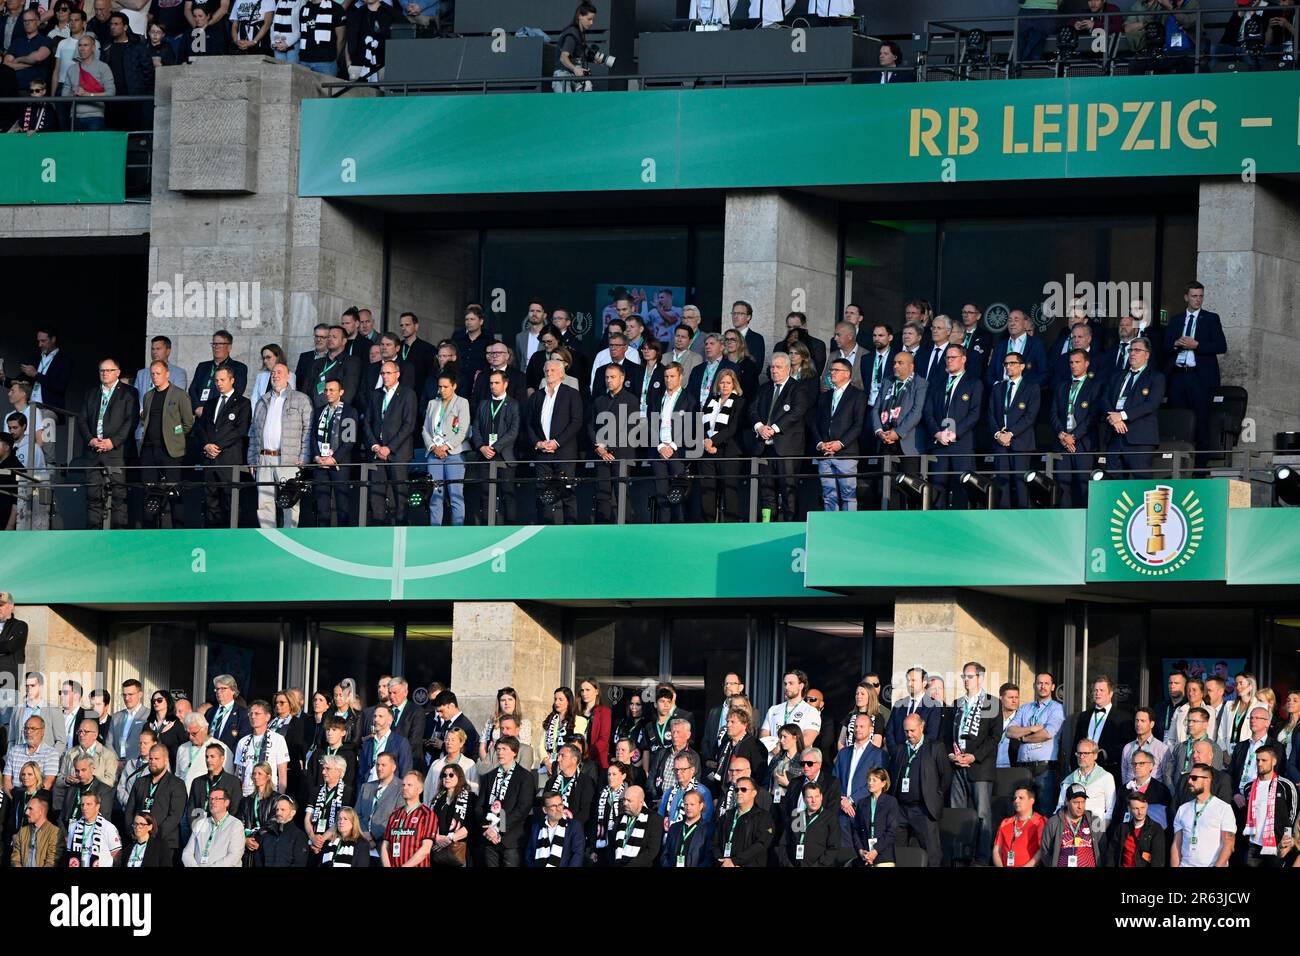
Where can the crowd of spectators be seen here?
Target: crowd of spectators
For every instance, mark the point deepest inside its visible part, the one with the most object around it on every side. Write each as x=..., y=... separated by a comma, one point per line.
x=672, y=423
x=1206, y=778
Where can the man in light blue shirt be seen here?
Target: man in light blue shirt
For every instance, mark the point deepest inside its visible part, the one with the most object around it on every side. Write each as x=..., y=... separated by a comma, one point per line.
x=1037, y=725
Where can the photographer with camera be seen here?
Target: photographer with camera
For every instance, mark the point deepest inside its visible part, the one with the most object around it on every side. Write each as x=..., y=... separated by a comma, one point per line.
x=576, y=55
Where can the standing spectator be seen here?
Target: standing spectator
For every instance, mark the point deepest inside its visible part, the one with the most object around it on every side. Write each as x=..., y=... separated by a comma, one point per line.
x=169, y=16
x=302, y=377
x=1013, y=412
x=250, y=22
x=778, y=415
x=898, y=410
x=412, y=827
x=1205, y=829
x=952, y=415
x=160, y=350
x=923, y=777
x=321, y=23
x=1037, y=23
x=219, y=430
x=128, y=57
x=875, y=822
x=554, y=421
x=203, y=386
x=497, y=424
x=107, y=422
x=26, y=56
x=332, y=449
x=389, y=428
x=446, y=432
x=32, y=749
x=86, y=76
x=974, y=754
x=1074, y=837
x=145, y=849
x=167, y=421
x=836, y=427
x=1132, y=402
x=286, y=36
x=162, y=795
x=1194, y=343
x=218, y=839
x=93, y=841
x=369, y=25
x=66, y=50
x=13, y=650
x=278, y=444
x=505, y=798
x=39, y=841
x=1138, y=842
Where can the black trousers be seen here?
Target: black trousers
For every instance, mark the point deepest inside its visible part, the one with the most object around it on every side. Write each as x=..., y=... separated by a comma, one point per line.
x=719, y=480
x=388, y=493
x=335, y=485
x=496, y=856
x=216, y=479
x=1074, y=481
x=158, y=466
x=1129, y=461
x=665, y=471
x=505, y=484
x=945, y=478
x=565, y=508
x=1187, y=391
x=1012, y=492
x=778, y=488
x=105, y=477
x=918, y=824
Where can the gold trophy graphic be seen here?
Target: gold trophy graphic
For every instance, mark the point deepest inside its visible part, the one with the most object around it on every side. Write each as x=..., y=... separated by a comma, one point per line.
x=1157, y=506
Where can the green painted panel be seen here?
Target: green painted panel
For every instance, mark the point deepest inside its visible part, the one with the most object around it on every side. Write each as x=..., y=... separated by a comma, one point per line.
x=1208, y=124
x=51, y=168
x=897, y=549
x=1158, y=530
x=1264, y=546
x=380, y=564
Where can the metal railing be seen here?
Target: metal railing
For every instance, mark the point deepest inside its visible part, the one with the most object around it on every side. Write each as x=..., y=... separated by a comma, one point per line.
x=740, y=484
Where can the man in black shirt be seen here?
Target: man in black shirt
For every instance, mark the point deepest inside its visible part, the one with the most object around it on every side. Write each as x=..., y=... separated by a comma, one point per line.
x=322, y=42
x=368, y=28
x=168, y=419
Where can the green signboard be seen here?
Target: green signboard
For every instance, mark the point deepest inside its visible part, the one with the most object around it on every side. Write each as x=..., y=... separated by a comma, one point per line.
x=547, y=563
x=756, y=137
x=897, y=549
x=1264, y=546
x=1158, y=530
x=50, y=168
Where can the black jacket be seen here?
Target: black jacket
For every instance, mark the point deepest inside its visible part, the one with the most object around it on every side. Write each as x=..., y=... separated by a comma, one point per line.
x=983, y=744
x=582, y=795
x=167, y=809
x=843, y=426
x=120, y=419
x=516, y=804
x=131, y=64
x=156, y=853
x=283, y=846
x=935, y=776
x=789, y=415
x=13, y=646
x=821, y=841
x=229, y=433
x=54, y=380
x=566, y=421
x=750, y=836
x=1115, y=733
x=396, y=428
x=1150, y=847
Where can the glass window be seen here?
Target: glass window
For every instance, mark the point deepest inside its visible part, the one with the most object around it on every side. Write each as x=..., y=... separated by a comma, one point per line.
x=1115, y=639
x=1283, y=636
x=830, y=653
x=361, y=651
x=428, y=655
x=621, y=653
x=1199, y=641
x=887, y=262
x=1178, y=261
x=160, y=656
x=703, y=652
x=248, y=652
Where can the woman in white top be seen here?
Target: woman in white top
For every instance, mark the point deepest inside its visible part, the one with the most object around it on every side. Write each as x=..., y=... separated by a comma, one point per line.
x=446, y=431
x=454, y=753
x=286, y=31
x=507, y=705
x=62, y=14
x=271, y=354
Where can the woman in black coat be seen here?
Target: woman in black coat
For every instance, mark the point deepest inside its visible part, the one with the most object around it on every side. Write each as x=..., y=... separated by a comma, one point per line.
x=146, y=850
x=164, y=722
x=288, y=722
x=719, y=475
x=873, y=831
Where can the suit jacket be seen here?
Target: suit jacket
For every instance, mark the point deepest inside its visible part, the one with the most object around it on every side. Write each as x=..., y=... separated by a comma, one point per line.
x=229, y=433
x=370, y=385
x=821, y=842
x=845, y=425
x=910, y=404
x=168, y=807
x=1035, y=355
x=855, y=789
x=756, y=345
x=685, y=411
x=983, y=743
x=516, y=804
x=156, y=854
x=962, y=408
x=1087, y=411
x=935, y=775
x=295, y=428
x=1019, y=418
x=49, y=845
x=816, y=349
x=571, y=855
x=887, y=817
x=1115, y=733
x=1098, y=368
x=395, y=428
x=397, y=745
x=505, y=426
x=898, y=76
x=1210, y=344
x=790, y=800
x=699, y=852
x=345, y=368
x=13, y=649
x=302, y=371
x=54, y=380
x=566, y=420
x=1237, y=765
x=689, y=361
x=177, y=418
x=1145, y=394
x=789, y=416
x=516, y=388
x=72, y=800
x=632, y=378
x=343, y=423
x=205, y=381
x=422, y=357
x=411, y=726
x=611, y=417
x=894, y=735
x=235, y=728
x=373, y=815
x=120, y=419
x=695, y=381
x=119, y=731
x=979, y=350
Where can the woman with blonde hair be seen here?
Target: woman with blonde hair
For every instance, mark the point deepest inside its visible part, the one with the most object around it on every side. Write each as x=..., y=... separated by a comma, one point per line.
x=507, y=703
x=348, y=709
x=346, y=844
x=719, y=476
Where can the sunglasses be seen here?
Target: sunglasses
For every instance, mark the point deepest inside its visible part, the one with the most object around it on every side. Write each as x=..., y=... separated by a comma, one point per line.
x=812, y=700
x=809, y=763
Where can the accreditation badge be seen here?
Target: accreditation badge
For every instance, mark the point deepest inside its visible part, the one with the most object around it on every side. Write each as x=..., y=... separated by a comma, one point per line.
x=1072, y=860
x=906, y=785
x=492, y=438
x=203, y=395
x=1011, y=857
x=798, y=852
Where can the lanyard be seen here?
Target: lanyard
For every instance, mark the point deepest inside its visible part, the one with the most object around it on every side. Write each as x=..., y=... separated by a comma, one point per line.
x=734, y=820
x=911, y=755
x=1074, y=830
x=947, y=392
x=495, y=407
x=807, y=822
x=212, y=833
x=627, y=831
x=1017, y=830
x=872, y=832
x=1196, y=815
x=1097, y=721
x=148, y=801
x=326, y=370
x=1074, y=394
x=686, y=838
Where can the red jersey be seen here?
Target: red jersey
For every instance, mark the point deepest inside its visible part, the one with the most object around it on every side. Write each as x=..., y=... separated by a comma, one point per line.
x=1019, y=842
x=407, y=830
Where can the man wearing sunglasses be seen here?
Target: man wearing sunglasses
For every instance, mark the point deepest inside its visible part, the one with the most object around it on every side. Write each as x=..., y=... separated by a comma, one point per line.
x=1205, y=829
x=744, y=833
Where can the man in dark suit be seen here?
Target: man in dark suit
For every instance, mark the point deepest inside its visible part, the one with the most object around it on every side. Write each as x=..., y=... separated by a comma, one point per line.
x=796, y=326
x=372, y=381
x=337, y=364
x=162, y=794
x=700, y=382
x=977, y=341
x=228, y=722
x=389, y=428
x=332, y=446
x=971, y=740
x=916, y=702
x=1194, y=342
x=108, y=418
x=505, y=798
x=837, y=433
x=1109, y=725
x=1082, y=338
x=219, y=434
x=498, y=357
x=1132, y=401
x=618, y=358
x=1076, y=409
x=742, y=313
x=1242, y=766
x=554, y=422
x=952, y=413
x=49, y=371
x=408, y=718
x=421, y=355
x=891, y=70
x=320, y=337
x=13, y=652
x=778, y=415
x=496, y=430
x=1013, y=410
x=678, y=412
x=921, y=778
x=614, y=411
x=878, y=363
x=203, y=385
x=852, y=764
x=1029, y=347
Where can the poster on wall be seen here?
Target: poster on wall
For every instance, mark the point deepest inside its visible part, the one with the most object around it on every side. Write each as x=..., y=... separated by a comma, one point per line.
x=660, y=306
x=1202, y=667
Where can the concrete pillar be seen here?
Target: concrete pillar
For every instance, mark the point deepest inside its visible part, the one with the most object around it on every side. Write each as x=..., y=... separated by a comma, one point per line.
x=942, y=630
x=62, y=645
x=779, y=254
x=226, y=210
x=1248, y=257
x=502, y=644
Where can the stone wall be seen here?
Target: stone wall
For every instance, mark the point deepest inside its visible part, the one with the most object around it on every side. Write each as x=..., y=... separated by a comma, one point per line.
x=942, y=630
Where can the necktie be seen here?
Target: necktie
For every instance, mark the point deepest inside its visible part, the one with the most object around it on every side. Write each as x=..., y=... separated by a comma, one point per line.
x=1189, y=325
x=835, y=401
x=911, y=706
x=947, y=394
x=1122, y=358
x=776, y=397
x=934, y=355
x=387, y=398
x=221, y=403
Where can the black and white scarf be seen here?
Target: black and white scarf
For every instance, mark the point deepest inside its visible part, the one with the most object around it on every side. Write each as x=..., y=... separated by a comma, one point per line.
x=500, y=787
x=86, y=847
x=851, y=727
x=327, y=806
x=550, y=844
x=338, y=853
x=279, y=723
x=630, y=835
x=554, y=734
x=717, y=413
x=678, y=793
x=608, y=808
x=971, y=723
x=728, y=801
x=459, y=809
x=557, y=784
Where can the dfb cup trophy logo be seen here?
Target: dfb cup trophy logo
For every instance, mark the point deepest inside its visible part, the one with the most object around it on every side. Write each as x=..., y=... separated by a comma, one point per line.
x=1156, y=535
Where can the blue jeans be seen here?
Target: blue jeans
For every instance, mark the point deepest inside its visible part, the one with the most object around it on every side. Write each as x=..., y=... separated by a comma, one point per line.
x=89, y=124
x=839, y=478
x=329, y=69
x=1035, y=27
x=978, y=794
x=1046, y=792
x=452, y=471
x=287, y=56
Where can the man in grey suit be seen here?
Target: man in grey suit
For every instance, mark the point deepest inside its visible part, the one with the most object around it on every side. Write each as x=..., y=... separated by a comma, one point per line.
x=278, y=443
x=683, y=354
x=378, y=799
x=898, y=411
x=124, y=729
x=34, y=704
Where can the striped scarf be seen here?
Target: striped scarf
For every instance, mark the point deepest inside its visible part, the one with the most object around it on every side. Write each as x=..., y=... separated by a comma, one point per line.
x=631, y=835
x=607, y=812
x=1268, y=839
x=550, y=844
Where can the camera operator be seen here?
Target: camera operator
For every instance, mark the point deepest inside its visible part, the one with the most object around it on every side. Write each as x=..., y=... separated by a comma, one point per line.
x=575, y=55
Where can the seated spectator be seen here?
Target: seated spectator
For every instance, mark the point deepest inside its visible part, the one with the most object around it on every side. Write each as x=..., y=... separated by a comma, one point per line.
x=1074, y=837
x=891, y=64
x=811, y=837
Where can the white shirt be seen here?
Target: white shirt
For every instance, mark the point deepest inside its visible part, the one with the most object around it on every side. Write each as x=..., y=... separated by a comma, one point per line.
x=246, y=752
x=604, y=358
x=830, y=8
x=1100, y=786
x=1186, y=357
x=711, y=11
x=858, y=751
x=666, y=419
x=534, y=343
x=770, y=11
x=271, y=427
x=548, y=409
x=192, y=762
x=1097, y=722
x=1215, y=820
x=1261, y=813
x=110, y=840
x=802, y=713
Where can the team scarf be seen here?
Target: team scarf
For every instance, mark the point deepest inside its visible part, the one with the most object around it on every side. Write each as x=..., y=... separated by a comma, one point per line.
x=631, y=834
x=728, y=801
x=86, y=848
x=328, y=802
x=500, y=787
x=246, y=745
x=550, y=845
x=677, y=810
x=1269, y=836
x=607, y=810
x=556, y=785
x=339, y=853
x=279, y=723
x=971, y=722
x=554, y=734
x=851, y=727
x=459, y=809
